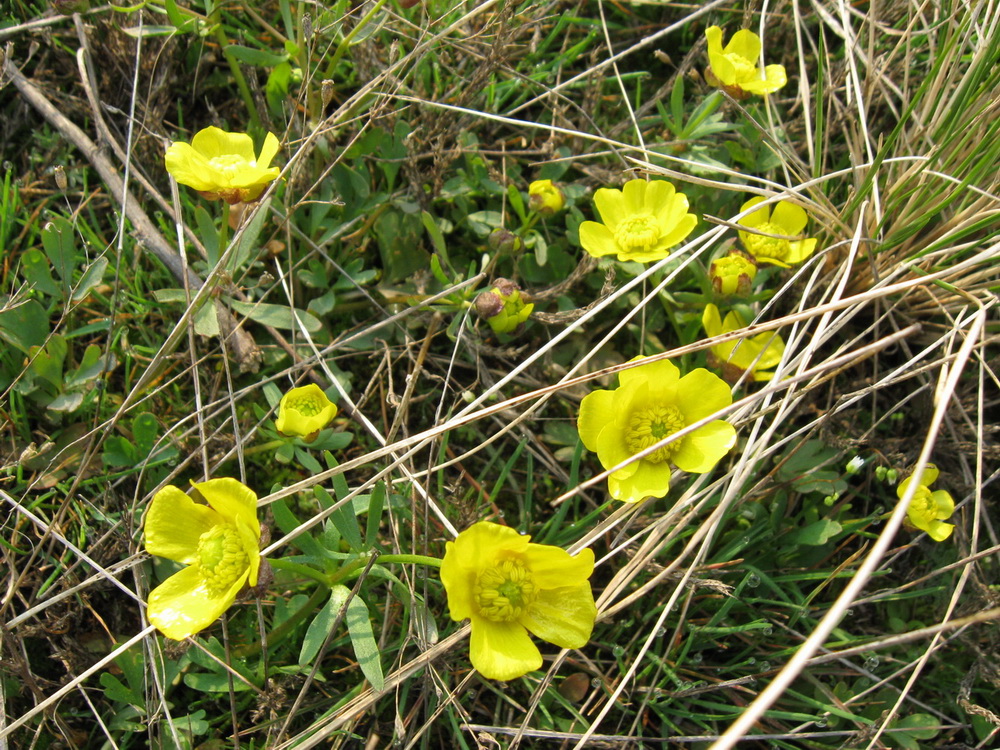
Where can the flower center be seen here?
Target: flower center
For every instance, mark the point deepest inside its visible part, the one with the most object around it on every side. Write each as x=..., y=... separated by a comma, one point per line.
x=922, y=506
x=637, y=232
x=306, y=406
x=230, y=163
x=650, y=425
x=767, y=247
x=221, y=557
x=745, y=69
x=503, y=591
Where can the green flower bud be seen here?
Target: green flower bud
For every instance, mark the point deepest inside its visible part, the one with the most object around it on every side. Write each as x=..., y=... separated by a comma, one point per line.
x=504, y=241
x=504, y=307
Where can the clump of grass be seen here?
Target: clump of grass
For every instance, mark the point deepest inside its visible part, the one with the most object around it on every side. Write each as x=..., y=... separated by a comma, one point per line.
x=777, y=598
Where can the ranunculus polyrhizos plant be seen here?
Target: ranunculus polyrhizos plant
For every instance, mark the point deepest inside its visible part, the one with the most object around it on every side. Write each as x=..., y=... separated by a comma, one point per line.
x=758, y=354
x=651, y=403
x=929, y=508
x=507, y=587
x=640, y=222
x=736, y=67
x=219, y=543
x=223, y=165
x=783, y=219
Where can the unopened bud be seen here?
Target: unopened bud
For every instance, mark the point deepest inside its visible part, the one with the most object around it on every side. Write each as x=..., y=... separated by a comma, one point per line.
x=504, y=307
x=505, y=241
x=733, y=274
x=545, y=197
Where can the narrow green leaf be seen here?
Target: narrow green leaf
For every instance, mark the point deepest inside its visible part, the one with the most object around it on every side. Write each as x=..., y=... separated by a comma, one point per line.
x=277, y=316
x=322, y=624
x=375, y=505
x=363, y=640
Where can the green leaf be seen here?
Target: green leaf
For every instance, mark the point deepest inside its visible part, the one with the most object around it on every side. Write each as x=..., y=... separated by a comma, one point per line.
x=145, y=428
x=36, y=271
x=287, y=522
x=434, y=231
x=363, y=640
x=322, y=624
x=248, y=239
x=276, y=88
x=346, y=522
x=24, y=325
x=214, y=683
x=93, y=276
x=277, y=316
x=815, y=534
x=256, y=57
x=118, y=692
x=59, y=241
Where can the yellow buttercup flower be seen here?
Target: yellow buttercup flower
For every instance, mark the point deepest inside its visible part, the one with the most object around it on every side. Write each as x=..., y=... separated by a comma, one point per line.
x=545, y=197
x=784, y=219
x=928, y=508
x=641, y=222
x=506, y=587
x=759, y=354
x=651, y=403
x=222, y=165
x=304, y=411
x=736, y=66
x=219, y=543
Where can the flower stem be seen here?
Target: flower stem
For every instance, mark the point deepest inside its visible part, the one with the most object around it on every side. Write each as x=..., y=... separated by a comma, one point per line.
x=434, y=562
x=224, y=229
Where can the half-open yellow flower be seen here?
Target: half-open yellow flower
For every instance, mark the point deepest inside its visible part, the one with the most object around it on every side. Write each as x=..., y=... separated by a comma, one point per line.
x=507, y=587
x=222, y=165
x=784, y=219
x=545, y=197
x=220, y=544
x=641, y=222
x=304, y=411
x=758, y=354
x=652, y=403
x=928, y=508
x=736, y=66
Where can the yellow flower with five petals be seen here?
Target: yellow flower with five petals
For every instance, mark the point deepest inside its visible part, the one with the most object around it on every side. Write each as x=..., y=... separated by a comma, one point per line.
x=508, y=587
x=304, y=411
x=784, y=219
x=640, y=222
x=222, y=165
x=218, y=542
x=759, y=354
x=651, y=403
x=928, y=509
x=736, y=67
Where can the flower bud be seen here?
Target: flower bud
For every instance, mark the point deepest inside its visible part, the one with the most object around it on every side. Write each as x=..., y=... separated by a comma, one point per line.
x=733, y=274
x=545, y=197
x=505, y=241
x=504, y=307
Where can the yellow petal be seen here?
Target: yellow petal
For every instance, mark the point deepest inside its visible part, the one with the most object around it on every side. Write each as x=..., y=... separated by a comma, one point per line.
x=722, y=67
x=791, y=219
x=476, y=548
x=563, y=616
x=930, y=476
x=231, y=499
x=943, y=503
x=188, y=167
x=174, y=524
x=758, y=217
x=553, y=567
x=213, y=141
x=634, y=193
x=183, y=605
x=705, y=447
x=597, y=239
x=774, y=79
x=711, y=321
x=701, y=393
x=250, y=539
x=502, y=651
x=662, y=373
x=610, y=205
x=597, y=410
x=680, y=230
x=459, y=581
x=659, y=199
x=268, y=151
x=745, y=44
x=939, y=531
x=649, y=480
x=304, y=410
x=799, y=250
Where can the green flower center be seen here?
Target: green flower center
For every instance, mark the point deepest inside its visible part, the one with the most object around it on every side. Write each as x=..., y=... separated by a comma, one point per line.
x=230, y=163
x=221, y=557
x=638, y=232
x=922, y=508
x=767, y=247
x=503, y=591
x=650, y=425
x=306, y=406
